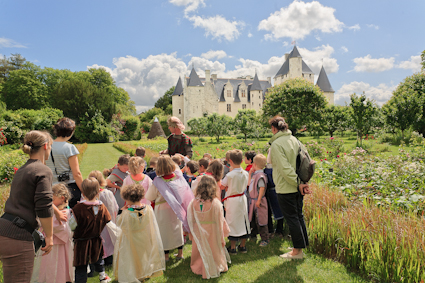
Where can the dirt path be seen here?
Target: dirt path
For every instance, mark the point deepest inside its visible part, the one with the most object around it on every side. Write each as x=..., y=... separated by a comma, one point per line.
x=99, y=156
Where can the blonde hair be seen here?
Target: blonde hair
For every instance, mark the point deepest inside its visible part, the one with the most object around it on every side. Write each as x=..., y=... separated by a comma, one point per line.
x=153, y=161
x=136, y=165
x=207, y=188
x=165, y=165
x=260, y=161
x=216, y=168
x=99, y=177
x=34, y=140
x=133, y=193
x=61, y=190
x=175, y=122
x=207, y=156
x=90, y=188
x=236, y=156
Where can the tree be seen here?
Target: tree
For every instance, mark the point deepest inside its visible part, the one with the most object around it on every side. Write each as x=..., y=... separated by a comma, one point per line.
x=300, y=102
x=218, y=125
x=14, y=62
x=197, y=126
x=363, y=112
x=165, y=101
x=246, y=122
x=334, y=119
x=423, y=60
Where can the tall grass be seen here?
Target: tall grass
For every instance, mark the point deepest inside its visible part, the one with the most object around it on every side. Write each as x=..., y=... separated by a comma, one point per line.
x=130, y=148
x=81, y=148
x=385, y=245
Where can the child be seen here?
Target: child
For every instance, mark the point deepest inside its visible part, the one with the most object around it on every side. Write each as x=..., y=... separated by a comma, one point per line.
x=235, y=202
x=191, y=168
x=139, y=252
x=207, y=156
x=108, y=199
x=203, y=165
x=152, y=166
x=57, y=265
x=258, y=204
x=141, y=152
x=208, y=231
x=116, y=179
x=136, y=165
x=248, y=159
x=215, y=170
x=172, y=196
x=91, y=217
x=178, y=160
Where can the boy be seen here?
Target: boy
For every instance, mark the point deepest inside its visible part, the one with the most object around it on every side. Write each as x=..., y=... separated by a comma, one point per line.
x=248, y=159
x=191, y=168
x=141, y=152
x=91, y=217
x=115, y=180
x=152, y=167
x=258, y=209
x=235, y=202
x=208, y=156
x=203, y=165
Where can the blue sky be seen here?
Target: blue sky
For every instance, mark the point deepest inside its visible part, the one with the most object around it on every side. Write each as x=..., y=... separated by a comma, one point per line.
x=366, y=46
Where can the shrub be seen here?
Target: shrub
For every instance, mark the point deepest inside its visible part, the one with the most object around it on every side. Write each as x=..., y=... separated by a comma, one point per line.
x=94, y=129
x=131, y=128
x=8, y=163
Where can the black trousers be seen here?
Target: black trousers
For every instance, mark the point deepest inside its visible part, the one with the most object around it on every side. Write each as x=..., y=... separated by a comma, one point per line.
x=81, y=271
x=292, y=209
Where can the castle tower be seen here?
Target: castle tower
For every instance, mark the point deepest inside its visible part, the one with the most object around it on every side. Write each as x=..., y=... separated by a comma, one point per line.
x=294, y=67
x=256, y=93
x=325, y=86
x=178, y=100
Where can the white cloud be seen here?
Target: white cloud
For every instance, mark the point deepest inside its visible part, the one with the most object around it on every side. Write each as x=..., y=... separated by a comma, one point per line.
x=9, y=43
x=214, y=54
x=381, y=93
x=413, y=64
x=202, y=64
x=285, y=43
x=191, y=5
x=147, y=79
x=372, y=26
x=218, y=27
x=313, y=58
x=250, y=34
x=368, y=64
x=355, y=27
x=344, y=49
x=318, y=38
x=300, y=19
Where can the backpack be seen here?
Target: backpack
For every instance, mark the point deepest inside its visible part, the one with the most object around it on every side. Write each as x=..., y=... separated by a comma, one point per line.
x=305, y=165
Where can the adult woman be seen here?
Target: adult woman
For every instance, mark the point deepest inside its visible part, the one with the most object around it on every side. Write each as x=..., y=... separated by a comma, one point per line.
x=284, y=150
x=178, y=142
x=30, y=197
x=64, y=159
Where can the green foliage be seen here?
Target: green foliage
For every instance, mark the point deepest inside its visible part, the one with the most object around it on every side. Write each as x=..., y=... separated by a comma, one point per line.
x=423, y=60
x=335, y=118
x=151, y=114
x=218, y=125
x=248, y=123
x=165, y=101
x=300, y=102
x=94, y=128
x=198, y=126
x=131, y=128
x=9, y=161
x=363, y=114
x=8, y=64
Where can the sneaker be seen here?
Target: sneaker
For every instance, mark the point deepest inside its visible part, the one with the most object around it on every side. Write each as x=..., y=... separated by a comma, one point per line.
x=232, y=251
x=242, y=249
x=105, y=279
x=264, y=243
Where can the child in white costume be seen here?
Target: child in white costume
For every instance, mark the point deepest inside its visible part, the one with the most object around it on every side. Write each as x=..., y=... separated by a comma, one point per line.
x=208, y=230
x=57, y=265
x=138, y=250
x=136, y=166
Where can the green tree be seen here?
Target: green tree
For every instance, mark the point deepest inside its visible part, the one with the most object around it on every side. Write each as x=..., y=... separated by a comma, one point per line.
x=300, y=102
x=197, y=126
x=334, y=119
x=423, y=60
x=246, y=122
x=8, y=64
x=147, y=116
x=218, y=125
x=363, y=111
x=165, y=101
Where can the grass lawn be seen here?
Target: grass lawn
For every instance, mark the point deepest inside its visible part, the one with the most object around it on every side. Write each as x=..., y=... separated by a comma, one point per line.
x=99, y=156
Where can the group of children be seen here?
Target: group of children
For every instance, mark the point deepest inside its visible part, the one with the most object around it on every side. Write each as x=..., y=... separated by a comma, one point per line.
x=135, y=217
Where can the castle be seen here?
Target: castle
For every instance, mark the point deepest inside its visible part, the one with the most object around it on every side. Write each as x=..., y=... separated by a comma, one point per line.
x=196, y=97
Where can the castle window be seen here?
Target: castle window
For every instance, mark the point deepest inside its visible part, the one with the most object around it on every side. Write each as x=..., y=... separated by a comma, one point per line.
x=253, y=104
x=259, y=96
x=229, y=107
x=260, y=104
x=243, y=94
x=243, y=106
x=229, y=93
x=180, y=111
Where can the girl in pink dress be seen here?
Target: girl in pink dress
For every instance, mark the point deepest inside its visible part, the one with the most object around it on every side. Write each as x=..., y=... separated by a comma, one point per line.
x=208, y=230
x=57, y=265
x=136, y=165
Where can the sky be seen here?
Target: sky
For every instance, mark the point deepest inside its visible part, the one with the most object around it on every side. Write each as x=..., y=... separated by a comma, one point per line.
x=365, y=46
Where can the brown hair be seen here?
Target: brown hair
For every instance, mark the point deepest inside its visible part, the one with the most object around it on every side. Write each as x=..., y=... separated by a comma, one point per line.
x=216, y=168
x=34, y=140
x=61, y=190
x=236, y=156
x=207, y=156
x=165, y=165
x=177, y=160
x=133, y=193
x=279, y=123
x=207, y=188
x=64, y=127
x=153, y=161
x=123, y=160
x=90, y=188
x=98, y=176
x=136, y=165
x=193, y=166
x=260, y=161
x=140, y=151
x=250, y=155
x=204, y=162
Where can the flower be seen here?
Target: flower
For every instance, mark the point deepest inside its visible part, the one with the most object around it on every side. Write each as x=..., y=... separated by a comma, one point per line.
x=321, y=159
x=332, y=138
x=337, y=156
x=325, y=159
x=16, y=169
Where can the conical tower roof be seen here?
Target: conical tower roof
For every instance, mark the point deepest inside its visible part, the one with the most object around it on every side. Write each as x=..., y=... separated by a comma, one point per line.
x=156, y=130
x=294, y=53
x=179, y=88
x=256, y=83
x=323, y=81
x=194, y=79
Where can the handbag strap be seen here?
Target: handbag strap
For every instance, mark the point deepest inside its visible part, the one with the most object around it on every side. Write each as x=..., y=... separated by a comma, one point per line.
x=53, y=160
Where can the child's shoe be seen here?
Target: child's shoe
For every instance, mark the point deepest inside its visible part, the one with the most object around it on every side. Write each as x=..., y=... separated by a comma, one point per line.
x=242, y=249
x=105, y=279
x=264, y=243
x=232, y=251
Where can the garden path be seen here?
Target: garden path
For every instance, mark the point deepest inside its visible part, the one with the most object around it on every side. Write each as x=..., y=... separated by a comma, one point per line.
x=99, y=156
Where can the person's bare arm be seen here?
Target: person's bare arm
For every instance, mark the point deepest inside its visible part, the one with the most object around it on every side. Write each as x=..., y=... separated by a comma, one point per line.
x=260, y=196
x=75, y=168
x=47, y=224
x=60, y=215
x=111, y=185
